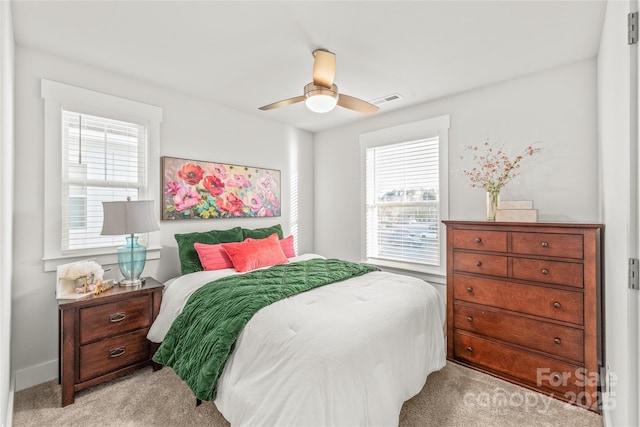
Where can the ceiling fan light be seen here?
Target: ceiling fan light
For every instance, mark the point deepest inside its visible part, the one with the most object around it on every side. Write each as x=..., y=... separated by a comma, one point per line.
x=321, y=103
x=320, y=99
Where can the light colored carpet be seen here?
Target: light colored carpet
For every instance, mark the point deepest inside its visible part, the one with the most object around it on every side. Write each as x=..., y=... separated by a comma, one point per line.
x=454, y=396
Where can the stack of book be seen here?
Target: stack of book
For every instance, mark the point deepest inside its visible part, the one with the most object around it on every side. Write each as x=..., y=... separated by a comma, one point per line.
x=516, y=211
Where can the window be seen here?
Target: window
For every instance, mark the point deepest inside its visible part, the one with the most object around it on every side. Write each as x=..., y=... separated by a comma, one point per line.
x=406, y=195
x=103, y=160
x=97, y=148
x=402, y=202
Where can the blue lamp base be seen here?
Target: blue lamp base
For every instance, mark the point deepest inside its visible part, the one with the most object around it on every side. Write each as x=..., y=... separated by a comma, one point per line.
x=131, y=260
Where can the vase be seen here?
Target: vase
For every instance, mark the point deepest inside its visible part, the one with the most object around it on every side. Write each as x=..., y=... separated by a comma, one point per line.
x=493, y=198
x=131, y=260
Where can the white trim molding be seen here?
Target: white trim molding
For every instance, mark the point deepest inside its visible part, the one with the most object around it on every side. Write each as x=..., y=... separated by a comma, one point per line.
x=12, y=392
x=422, y=129
x=36, y=374
x=7, y=167
x=58, y=96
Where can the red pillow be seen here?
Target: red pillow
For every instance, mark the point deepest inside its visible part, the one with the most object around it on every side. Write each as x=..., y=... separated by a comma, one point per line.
x=212, y=257
x=287, y=246
x=252, y=254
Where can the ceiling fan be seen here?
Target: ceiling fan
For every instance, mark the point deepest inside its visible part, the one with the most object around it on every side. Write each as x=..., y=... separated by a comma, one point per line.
x=322, y=95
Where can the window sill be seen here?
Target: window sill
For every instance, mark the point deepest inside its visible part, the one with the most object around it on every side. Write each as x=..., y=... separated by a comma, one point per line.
x=103, y=256
x=429, y=274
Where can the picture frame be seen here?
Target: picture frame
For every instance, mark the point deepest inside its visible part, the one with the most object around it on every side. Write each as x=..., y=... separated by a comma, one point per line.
x=196, y=189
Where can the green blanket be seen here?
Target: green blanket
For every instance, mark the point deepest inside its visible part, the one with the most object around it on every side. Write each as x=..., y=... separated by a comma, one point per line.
x=201, y=338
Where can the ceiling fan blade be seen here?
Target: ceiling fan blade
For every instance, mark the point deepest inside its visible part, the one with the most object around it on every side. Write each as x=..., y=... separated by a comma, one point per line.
x=283, y=103
x=324, y=68
x=356, y=104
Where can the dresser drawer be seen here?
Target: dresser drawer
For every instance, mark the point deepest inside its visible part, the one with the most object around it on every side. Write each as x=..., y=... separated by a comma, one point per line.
x=554, y=339
x=556, y=245
x=539, y=301
x=494, y=241
x=112, y=354
x=114, y=318
x=538, y=371
x=559, y=273
x=493, y=265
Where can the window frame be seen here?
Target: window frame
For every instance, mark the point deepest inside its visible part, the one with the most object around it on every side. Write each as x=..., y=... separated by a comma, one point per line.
x=419, y=130
x=59, y=96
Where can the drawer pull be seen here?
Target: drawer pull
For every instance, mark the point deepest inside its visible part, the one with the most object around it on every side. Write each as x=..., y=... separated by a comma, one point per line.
x=556, y=340
x=544, y=244
x=545, y=271
x=117, y=317
x=117, y=352
x=479, y=263
x=478, y=240
x=469, y=319
x=556, y=304
x=470, y=350
x=469, y=289
x=557, y=377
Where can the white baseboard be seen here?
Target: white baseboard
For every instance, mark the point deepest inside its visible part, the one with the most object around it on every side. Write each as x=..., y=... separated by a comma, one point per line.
x=12, y=387
x=606, y=418
x=34, y=375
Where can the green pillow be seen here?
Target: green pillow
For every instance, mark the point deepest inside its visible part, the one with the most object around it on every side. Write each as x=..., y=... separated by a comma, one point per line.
x=189, y=261
x=262, y=233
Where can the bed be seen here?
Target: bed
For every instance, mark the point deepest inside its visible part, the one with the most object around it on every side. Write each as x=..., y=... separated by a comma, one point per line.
x=344, y=354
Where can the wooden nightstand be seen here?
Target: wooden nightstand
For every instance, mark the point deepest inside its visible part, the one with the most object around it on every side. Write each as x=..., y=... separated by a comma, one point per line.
x=105, y=336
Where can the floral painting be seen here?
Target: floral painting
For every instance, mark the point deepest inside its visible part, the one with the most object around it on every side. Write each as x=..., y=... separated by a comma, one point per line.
x=203, y=190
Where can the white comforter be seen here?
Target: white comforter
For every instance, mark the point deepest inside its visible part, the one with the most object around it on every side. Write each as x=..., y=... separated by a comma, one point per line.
x=345, y=354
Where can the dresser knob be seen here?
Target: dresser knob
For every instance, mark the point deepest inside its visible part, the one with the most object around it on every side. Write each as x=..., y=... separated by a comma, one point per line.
x=557, y=377
x=117, y=317
x=478, y=264
x=556, y=340
x=545, y=271
x=470, y=350
x=469, y=289
x=556, y=304
x=478, y=240
x=469, y=319
x=544, y=244
x=117, y=352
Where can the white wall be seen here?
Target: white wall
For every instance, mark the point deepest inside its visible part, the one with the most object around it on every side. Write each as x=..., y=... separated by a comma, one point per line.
x=7, y=65
x=556, y=107
x=191, y=128
x=615, y=154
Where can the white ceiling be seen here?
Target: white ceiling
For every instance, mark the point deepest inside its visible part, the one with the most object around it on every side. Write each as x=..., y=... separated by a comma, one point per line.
x=247, y=54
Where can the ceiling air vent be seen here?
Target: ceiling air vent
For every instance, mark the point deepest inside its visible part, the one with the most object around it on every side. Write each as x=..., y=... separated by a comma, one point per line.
x=386, y=99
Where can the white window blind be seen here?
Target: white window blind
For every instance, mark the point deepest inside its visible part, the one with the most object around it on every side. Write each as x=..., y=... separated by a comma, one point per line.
x=102, y=160
x=402, y=202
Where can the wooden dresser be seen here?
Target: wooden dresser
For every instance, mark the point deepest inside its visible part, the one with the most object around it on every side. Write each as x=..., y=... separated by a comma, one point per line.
x=105, y=336
x=524, y=304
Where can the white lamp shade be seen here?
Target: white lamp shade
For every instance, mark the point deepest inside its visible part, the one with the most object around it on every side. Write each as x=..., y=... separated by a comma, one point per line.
x=128, y=217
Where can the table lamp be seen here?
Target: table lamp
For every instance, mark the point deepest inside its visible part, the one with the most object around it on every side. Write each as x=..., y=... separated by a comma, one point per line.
x=129, y=217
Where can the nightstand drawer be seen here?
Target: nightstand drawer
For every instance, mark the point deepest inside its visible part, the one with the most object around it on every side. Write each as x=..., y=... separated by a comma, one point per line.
x=492, y=265
x=559, y=273
x=554, y=339
x=112, y=354
x=536, y=300
x=556, y=245
x=494, y=241
x=114, y=318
